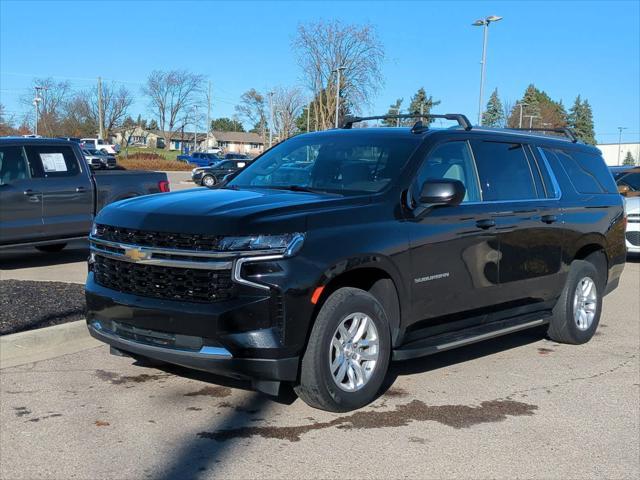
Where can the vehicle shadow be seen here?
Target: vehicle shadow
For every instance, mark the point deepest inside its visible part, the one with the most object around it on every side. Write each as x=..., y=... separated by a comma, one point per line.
x=29, y=257
x=462, y=354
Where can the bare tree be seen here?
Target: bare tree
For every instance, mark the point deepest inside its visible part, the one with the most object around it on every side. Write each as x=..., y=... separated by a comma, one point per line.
x=252, y=108
x=53, y=96
x=172, y=95
x=288, y=103
x=6, y=123
x=322, y=48
x=115, y=105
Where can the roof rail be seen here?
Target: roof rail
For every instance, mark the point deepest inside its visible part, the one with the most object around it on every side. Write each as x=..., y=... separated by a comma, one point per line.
x=462, y=120
x=570, y=134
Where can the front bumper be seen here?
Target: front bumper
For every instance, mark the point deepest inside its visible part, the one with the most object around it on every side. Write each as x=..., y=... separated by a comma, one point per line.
x=197, y=177
x=216, y=360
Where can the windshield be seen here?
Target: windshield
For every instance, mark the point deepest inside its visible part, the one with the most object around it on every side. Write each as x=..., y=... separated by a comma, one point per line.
x=340, y=163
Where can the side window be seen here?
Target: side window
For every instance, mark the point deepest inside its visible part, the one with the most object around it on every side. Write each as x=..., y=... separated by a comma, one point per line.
x=450, y=160
x=587, y=171
x=56, y=161
x=546, y=172
x=631, y=180
x=504, y=171
x=13, y=165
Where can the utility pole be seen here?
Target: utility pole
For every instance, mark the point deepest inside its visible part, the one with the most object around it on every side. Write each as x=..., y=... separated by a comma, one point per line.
x=308, y=116
x=195, y=127
x=531, y=117
x=620, y=141
x=208, y=113
x=100, y=110
x=270, y=118
x=521, y=104
x=485, y=24
x=338, y=70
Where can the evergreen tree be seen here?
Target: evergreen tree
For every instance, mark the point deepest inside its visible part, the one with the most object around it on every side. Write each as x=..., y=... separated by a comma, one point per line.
x=153, y=125
x=394, y=109
x=421, y=103
x=225, y=124
x=581, y=121
x=546, y=112
x=628, y=159
x=493, y=116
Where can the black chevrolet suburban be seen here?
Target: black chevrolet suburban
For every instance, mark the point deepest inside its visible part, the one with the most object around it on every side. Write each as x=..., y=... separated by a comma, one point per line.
x=336, y=252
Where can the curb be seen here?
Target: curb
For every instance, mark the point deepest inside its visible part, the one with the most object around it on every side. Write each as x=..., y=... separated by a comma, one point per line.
x=45, y=343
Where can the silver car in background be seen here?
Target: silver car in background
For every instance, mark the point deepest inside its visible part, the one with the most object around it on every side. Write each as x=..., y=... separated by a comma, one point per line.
x=632, y=236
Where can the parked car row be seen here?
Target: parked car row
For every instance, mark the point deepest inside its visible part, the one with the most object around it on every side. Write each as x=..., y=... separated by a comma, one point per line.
x=628, y=181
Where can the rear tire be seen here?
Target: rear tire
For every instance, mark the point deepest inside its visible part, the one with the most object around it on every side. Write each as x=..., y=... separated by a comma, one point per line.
x=577, y=313
x=54, y=248
x=343, y=369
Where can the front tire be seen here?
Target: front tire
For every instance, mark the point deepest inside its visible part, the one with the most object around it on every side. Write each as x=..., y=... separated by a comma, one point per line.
x=209, y=181
x=577, y=313
x=348, y=353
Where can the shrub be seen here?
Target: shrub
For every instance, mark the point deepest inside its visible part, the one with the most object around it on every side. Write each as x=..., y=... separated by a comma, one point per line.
x=151, y=161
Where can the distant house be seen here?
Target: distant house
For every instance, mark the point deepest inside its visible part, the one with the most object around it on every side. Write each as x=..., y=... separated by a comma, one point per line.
x=236, y=142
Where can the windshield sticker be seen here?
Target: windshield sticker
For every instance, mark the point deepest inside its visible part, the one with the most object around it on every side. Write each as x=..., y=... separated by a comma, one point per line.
x=53, y=162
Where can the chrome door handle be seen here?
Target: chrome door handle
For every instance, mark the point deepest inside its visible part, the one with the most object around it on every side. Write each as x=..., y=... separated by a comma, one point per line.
x=549, y=218
x=28, y=191
x=80, y=189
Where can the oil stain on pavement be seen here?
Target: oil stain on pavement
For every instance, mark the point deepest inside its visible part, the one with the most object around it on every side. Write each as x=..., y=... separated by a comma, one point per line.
x=211, y=391
x=456, y=416
x=116, y=379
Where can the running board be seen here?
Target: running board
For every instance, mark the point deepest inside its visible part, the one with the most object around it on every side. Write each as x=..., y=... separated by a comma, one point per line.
x=447, y=341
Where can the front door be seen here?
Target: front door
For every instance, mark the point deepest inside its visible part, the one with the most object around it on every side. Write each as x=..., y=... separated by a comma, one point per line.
x=454, y=249
x=67, y=191
x=20, y=197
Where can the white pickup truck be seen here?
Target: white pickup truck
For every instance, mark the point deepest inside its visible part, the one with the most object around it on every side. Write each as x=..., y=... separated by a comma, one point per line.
x=99, y=144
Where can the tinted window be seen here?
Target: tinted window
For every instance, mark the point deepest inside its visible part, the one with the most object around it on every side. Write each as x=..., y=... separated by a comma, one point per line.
x=56, y=161
x=631, y=180
x=504, y=171
x=544, y=168
x=587, y=171
x=450, y=160
x=333, y=162
x=13, y=165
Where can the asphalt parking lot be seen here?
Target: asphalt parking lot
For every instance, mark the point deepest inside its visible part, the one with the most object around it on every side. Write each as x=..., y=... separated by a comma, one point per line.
x=519, y=406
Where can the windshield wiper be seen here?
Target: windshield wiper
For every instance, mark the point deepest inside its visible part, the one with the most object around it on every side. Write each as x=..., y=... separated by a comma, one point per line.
x=296, y=188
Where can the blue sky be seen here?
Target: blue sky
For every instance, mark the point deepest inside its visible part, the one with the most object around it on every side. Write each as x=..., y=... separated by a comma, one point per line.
x=567, y=48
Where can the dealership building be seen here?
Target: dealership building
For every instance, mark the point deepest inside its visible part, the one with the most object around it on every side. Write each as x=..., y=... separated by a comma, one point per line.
x=615, y=153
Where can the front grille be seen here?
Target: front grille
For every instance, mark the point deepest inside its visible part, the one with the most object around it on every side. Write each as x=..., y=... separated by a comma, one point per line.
x=633, y=238
x=191, y=285
x=158, y=239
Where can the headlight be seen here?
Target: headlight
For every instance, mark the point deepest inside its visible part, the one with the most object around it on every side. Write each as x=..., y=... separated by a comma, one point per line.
x=289, y=242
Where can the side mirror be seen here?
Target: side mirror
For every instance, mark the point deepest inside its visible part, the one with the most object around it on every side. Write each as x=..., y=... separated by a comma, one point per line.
x=623, y=190
x=442, y=192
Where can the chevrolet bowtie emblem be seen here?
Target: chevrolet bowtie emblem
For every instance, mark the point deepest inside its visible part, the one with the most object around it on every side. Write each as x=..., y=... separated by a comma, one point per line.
x=136, y=254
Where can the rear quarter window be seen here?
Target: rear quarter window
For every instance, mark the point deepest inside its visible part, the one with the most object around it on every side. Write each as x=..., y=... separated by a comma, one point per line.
x=587, y=171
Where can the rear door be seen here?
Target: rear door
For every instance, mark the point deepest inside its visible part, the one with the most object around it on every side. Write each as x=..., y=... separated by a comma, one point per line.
x=20, y=197
x=528, y=222
x=67, y=191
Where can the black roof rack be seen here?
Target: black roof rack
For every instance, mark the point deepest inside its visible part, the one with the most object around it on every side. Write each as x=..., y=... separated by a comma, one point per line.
x=570, y=134
x=462, y=120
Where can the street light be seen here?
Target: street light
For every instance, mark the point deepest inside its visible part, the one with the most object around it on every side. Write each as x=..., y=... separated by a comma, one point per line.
x=521, y=104
x=620, y=141
x=338, y=70
x=485, y=24
x=270, y=118
x=531, y=117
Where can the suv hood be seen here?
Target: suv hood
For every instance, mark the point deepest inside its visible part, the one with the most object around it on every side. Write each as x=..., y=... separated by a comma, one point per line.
x=223, y=211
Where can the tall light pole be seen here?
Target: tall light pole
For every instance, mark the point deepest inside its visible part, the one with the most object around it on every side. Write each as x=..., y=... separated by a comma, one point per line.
x=620, y=141
x=338, y=71
x=195, y=127
x=100, y=110
x=270, y=118
x=485, y=24
x=36, y=103
x=531, y=117
x=521, y=104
